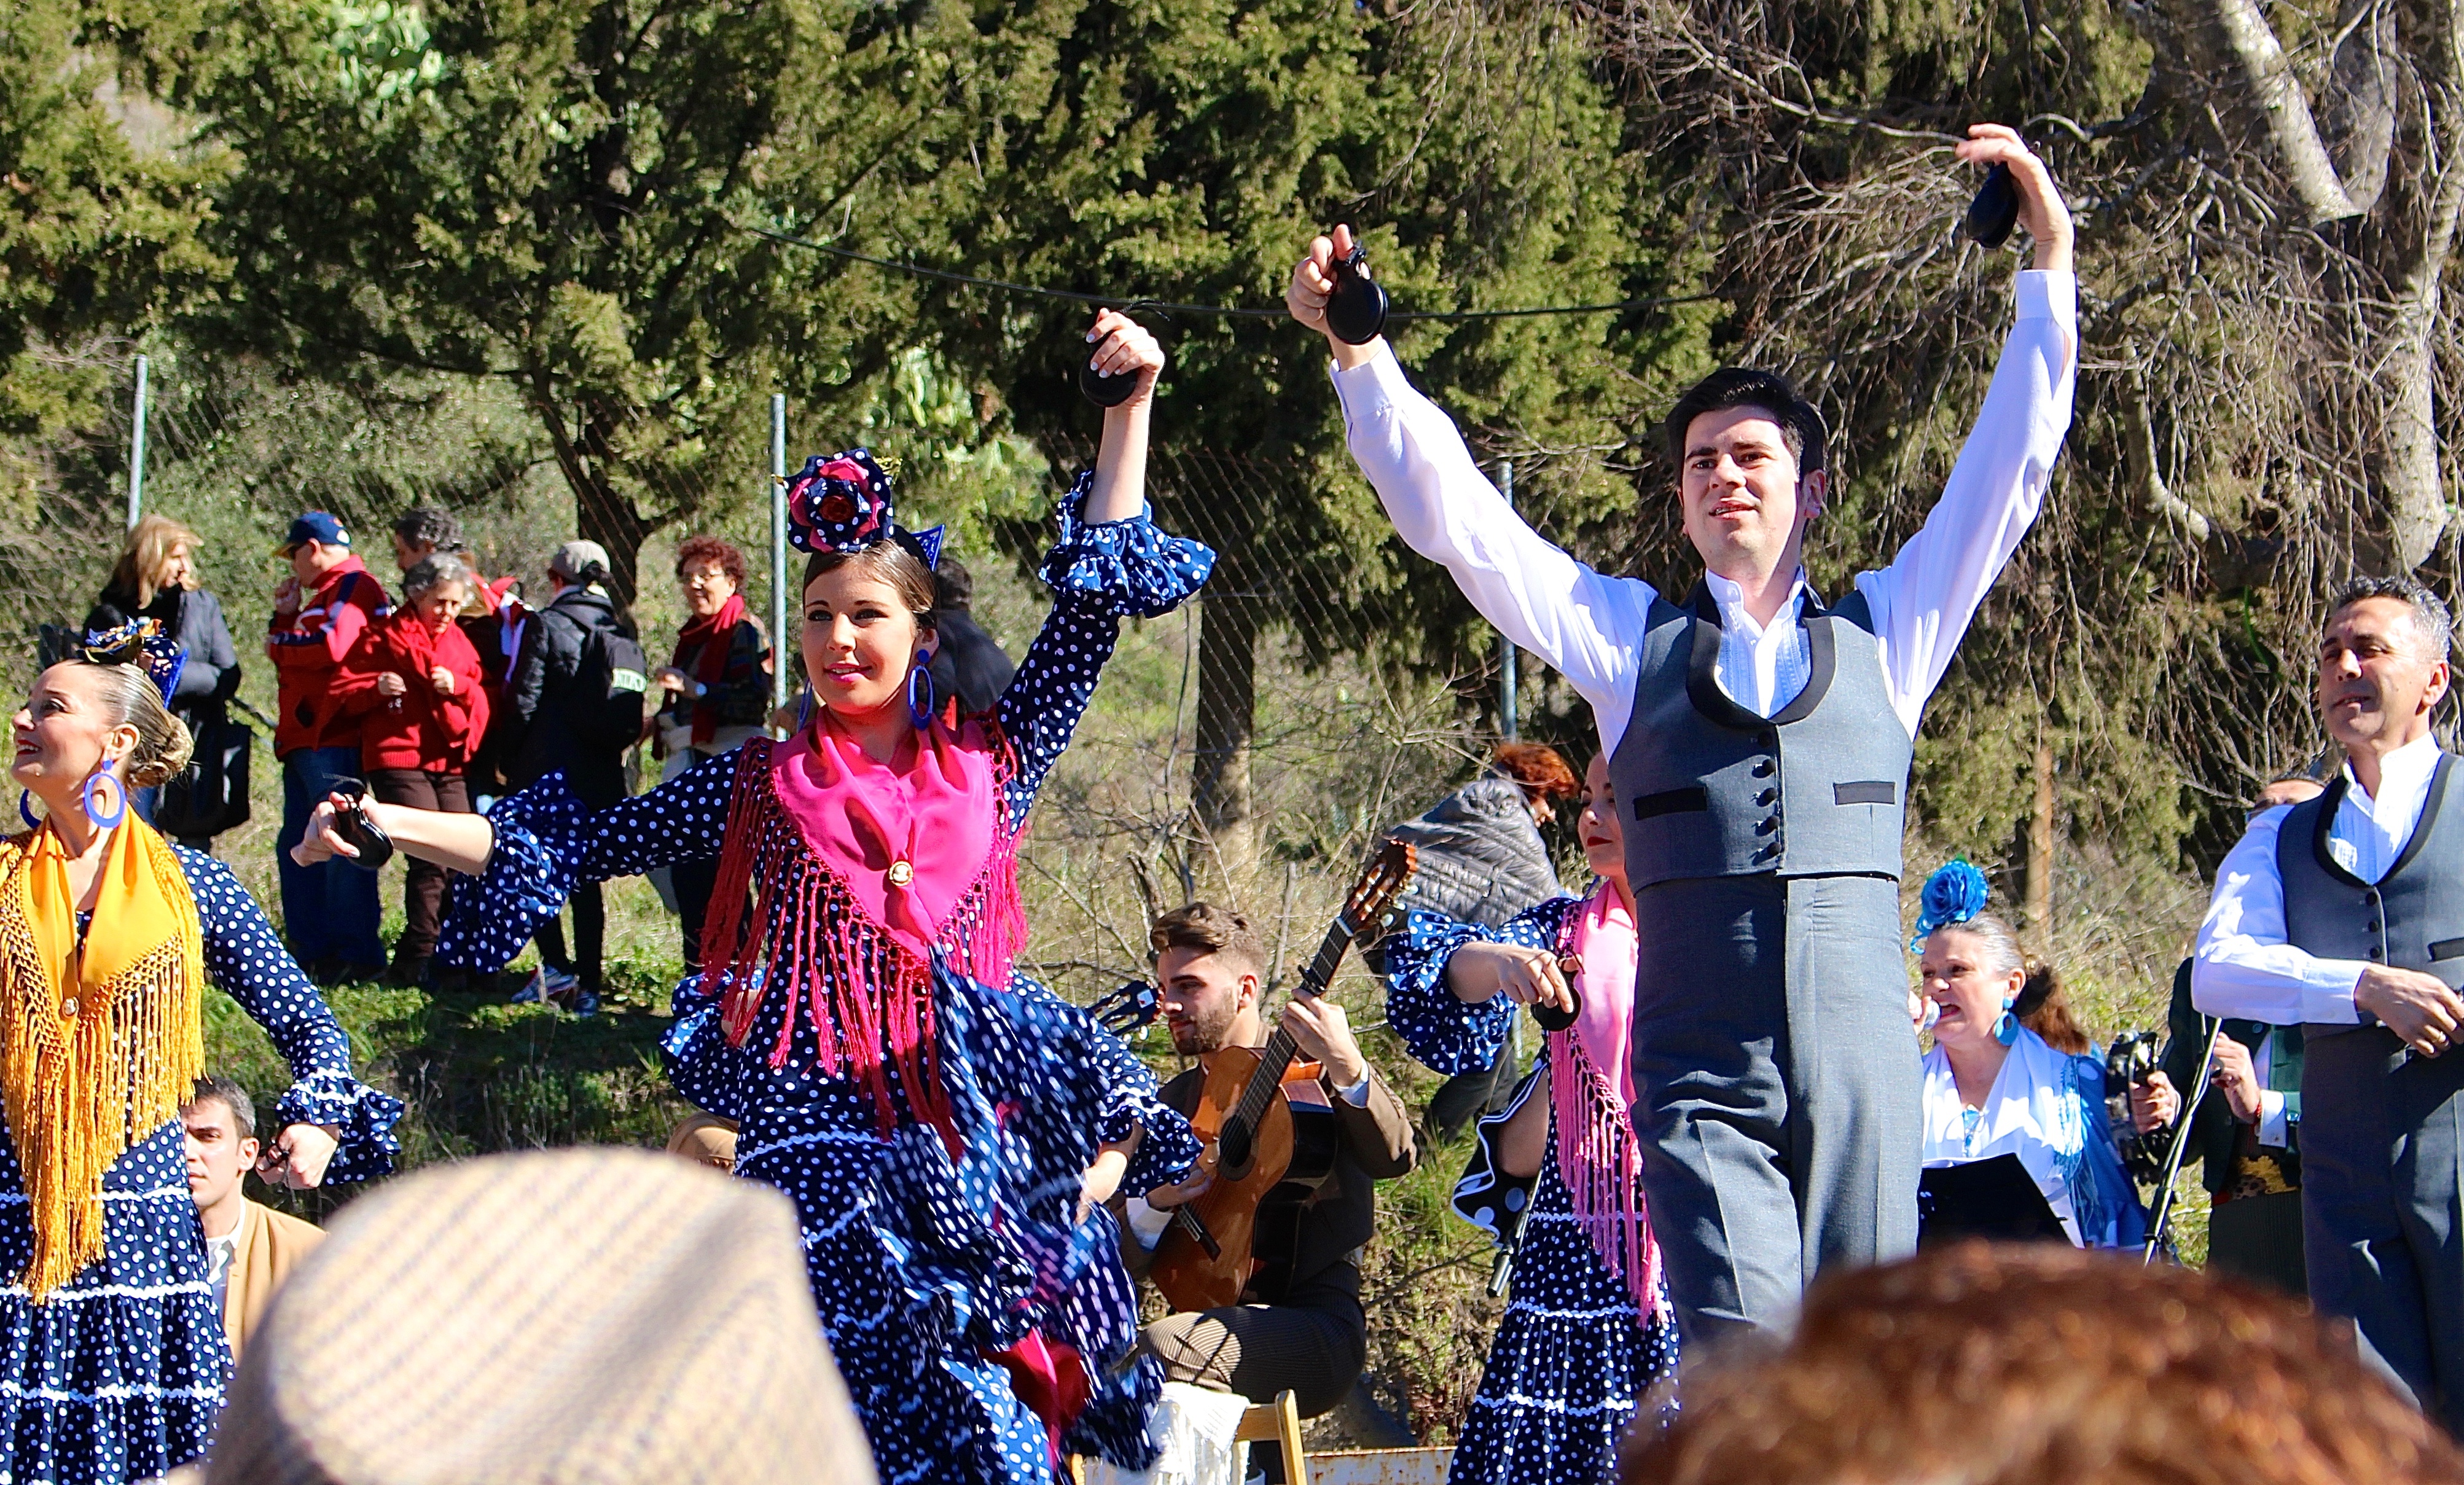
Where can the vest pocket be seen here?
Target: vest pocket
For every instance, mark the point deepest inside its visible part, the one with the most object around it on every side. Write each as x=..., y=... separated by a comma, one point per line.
x=2446, y=948
x=1865, y=791
x=1677, y=801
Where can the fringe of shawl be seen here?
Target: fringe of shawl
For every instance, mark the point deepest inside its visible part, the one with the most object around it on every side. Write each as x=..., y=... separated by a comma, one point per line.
x=79, y=1093
x=868, y=997
x=1602, y=1164
x=1600, y=1158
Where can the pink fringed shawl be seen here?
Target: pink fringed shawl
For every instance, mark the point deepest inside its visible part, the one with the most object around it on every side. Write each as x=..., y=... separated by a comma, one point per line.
x=856, y=871
x=1591, y=1089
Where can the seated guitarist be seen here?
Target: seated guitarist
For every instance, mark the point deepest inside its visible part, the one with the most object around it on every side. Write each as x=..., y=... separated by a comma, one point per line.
x=1299, y=1325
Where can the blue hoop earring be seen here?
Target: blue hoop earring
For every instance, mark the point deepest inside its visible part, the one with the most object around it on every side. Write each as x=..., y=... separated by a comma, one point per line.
x=2006, y=1029
x=921, y=716
x=86, y=798
x=805, y=709
x=26, y=811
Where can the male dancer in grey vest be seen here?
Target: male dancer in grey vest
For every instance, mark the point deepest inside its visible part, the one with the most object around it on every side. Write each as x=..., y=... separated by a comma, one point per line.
x=2345, y=916
x=1759, y=741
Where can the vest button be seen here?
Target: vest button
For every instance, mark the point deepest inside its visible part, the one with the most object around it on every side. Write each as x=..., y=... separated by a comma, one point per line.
x=1765, y=825
x=2373, y=952
x=1767, y=740
x=1769, y=796
x=1764, y=767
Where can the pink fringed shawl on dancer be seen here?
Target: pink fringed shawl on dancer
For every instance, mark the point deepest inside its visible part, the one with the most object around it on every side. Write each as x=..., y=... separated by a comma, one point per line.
x=1591, y=1089
x=856, y=871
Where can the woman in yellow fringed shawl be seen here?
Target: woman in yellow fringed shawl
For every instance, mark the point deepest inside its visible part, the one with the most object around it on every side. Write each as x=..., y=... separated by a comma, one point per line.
x=112, y=1356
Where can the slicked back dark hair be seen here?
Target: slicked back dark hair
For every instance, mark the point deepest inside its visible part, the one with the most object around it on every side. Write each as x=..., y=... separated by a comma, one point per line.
x=2429, y=614
x=1800, y=425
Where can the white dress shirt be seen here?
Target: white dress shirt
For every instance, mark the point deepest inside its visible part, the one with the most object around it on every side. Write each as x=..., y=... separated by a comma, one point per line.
x=1589, y=627
x=2243, y=965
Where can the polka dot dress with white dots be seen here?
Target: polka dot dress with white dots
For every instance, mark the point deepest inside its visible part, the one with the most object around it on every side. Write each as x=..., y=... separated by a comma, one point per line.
x=951, y=1278
x=118, y=1375
x=1574, y=1358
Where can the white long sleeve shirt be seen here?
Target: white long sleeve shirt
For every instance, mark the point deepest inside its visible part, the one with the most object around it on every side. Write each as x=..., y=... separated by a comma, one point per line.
x=1590, y=627
x=2243, y=966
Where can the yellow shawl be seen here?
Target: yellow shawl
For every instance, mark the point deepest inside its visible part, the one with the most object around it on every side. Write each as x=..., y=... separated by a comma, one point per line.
x=99, y=1045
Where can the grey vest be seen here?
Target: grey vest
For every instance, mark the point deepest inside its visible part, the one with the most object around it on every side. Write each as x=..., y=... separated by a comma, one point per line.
x=2413, y=919
x=1711, y=789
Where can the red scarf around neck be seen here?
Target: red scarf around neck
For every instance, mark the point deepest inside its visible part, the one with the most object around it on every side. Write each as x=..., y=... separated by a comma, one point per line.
x=716, y=635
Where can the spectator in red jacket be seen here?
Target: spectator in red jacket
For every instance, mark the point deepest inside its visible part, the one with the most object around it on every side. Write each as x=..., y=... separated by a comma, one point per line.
x=329, y=911
x=419, y=687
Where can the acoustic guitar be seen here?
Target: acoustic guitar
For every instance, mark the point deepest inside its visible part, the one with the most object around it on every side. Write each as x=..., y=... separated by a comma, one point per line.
x=1267, y=1156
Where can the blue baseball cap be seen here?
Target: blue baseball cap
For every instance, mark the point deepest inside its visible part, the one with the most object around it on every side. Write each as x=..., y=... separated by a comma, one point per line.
x=314, y=526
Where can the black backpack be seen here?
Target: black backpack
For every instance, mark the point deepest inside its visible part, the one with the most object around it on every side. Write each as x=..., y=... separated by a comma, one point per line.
x=606, y=703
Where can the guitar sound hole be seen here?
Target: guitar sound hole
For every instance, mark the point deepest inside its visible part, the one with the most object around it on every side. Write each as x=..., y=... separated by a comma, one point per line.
x=1232, y=1150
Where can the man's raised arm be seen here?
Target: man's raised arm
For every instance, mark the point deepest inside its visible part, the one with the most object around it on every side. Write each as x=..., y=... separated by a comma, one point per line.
x=1585, y=626
x=1923, y=602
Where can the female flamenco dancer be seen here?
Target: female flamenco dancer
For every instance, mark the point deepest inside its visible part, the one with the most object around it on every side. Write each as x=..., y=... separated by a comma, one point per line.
x=115, y=1360
x=1587, y=1335
x=947, y=1129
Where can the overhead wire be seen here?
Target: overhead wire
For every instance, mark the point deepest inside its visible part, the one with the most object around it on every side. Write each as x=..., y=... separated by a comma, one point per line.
x=1167, y=308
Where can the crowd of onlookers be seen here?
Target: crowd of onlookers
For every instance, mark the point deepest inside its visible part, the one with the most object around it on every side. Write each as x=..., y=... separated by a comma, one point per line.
x=453, y=691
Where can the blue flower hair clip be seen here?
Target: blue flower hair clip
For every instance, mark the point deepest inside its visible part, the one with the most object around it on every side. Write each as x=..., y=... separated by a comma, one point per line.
x=140, y=642
x=841, y=502
x=1955, y=892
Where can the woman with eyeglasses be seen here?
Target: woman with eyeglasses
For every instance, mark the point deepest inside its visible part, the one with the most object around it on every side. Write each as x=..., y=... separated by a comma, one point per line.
x=717, y=687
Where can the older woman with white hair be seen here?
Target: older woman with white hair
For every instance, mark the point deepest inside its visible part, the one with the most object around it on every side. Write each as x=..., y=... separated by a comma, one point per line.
x=2010, y=1074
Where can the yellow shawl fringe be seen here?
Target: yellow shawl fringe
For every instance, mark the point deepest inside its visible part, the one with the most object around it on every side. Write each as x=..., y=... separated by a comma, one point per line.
x=99, y=1045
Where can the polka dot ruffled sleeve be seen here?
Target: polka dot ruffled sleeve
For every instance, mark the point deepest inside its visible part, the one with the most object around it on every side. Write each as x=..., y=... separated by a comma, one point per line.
x=1448, y=1035
x=247, y=962
x=1100, y=574
x=547, y=840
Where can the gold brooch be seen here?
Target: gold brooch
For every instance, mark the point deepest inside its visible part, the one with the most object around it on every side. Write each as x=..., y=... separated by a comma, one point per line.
x=901, y=874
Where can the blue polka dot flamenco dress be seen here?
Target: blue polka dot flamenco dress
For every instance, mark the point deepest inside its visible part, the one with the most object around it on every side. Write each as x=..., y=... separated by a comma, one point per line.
x=113, y=1361
x=929, y=1111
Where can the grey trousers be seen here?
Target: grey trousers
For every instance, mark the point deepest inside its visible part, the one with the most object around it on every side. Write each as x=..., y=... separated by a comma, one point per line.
x=2383, y=1230
x=1778, y=1097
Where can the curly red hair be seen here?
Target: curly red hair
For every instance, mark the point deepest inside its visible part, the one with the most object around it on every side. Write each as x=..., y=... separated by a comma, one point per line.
x=711, y=548
x=2043, y=1366
x=1541, y=770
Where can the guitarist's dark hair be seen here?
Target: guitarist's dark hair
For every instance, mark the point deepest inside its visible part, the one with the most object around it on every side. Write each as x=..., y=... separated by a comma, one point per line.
x=1210, y=929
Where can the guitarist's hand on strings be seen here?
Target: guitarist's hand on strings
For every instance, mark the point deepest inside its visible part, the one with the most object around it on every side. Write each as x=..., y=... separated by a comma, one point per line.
x=1164, y=1198
x=1322, y=1031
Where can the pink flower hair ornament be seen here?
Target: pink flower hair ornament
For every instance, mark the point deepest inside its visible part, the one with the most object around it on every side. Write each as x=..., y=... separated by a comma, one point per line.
x=841, y=502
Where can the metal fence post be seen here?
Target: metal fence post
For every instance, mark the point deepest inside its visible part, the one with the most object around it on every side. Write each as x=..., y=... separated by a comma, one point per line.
x=778, y=647
x=1506, y=657
x=136, y=449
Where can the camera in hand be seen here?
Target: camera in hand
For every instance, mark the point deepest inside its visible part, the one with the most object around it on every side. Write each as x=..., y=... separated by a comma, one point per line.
x=2132, y=1060
x=1356, y=310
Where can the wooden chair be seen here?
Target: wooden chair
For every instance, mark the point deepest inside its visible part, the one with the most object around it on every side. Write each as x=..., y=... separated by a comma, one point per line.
x=1280, y=1421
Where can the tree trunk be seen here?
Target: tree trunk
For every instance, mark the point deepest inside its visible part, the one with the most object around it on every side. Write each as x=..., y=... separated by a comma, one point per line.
x=602, y=513
x=2039, y=907
x=2416, y=492
x=1228, y=686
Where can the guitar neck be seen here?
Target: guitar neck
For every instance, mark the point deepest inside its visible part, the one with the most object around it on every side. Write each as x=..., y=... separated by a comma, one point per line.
x=1275, y=1058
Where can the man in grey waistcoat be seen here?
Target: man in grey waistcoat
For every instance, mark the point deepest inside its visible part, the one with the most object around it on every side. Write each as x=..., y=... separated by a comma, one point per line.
x=2345, y=916
x=1759, y=739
